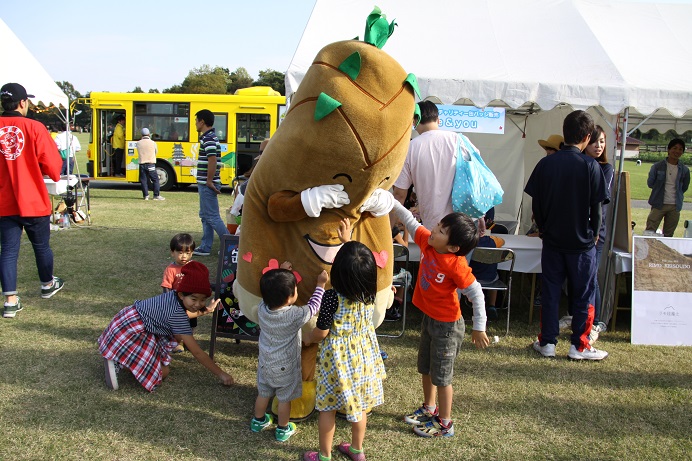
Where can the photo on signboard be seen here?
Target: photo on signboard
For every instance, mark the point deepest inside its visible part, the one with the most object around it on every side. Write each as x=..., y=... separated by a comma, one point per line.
x=662, y=291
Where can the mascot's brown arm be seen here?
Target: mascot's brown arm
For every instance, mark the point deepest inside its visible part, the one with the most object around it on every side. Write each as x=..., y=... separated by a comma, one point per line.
x=286, y=206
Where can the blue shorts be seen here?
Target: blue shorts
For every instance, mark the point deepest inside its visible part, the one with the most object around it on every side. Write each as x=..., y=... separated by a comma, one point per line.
x=439, y=346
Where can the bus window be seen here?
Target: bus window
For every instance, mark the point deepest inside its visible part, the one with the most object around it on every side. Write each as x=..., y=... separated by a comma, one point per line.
x=221, y=125
x=252, y=128
x=166, y=121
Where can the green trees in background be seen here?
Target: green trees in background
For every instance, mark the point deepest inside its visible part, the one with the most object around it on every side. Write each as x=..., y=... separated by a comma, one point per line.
x=201, y=80
x=220, y=80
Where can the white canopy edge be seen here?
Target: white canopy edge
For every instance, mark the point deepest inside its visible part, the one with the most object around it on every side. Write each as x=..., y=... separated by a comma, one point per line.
x=585, y=53
x=20, y=66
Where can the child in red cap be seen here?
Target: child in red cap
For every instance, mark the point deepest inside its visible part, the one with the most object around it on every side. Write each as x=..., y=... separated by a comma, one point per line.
x=141, y=336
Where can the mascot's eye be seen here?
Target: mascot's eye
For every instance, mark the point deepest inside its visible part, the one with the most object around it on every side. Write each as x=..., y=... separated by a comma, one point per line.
x=348, y=177
x=384, y=180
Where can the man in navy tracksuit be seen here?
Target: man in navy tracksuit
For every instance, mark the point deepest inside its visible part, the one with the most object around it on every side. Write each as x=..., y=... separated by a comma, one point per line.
x=567, y=189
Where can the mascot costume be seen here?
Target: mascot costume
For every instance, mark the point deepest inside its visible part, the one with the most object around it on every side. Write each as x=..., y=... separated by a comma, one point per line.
x=343, y=141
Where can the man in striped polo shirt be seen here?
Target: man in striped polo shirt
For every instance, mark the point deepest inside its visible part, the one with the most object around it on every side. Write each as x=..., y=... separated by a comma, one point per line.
x=208, y=182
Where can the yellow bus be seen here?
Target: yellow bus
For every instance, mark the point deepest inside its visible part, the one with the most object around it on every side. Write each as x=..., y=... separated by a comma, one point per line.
x=242, y=121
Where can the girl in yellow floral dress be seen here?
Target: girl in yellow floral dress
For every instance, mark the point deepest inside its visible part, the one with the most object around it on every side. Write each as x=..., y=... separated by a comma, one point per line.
x=350, y=369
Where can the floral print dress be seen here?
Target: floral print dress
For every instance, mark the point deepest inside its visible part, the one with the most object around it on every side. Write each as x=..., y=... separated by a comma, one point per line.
x=349, y=368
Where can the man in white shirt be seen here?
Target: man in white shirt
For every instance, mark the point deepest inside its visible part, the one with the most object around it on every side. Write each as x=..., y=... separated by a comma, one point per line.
x=430, y=166
x=67, y=144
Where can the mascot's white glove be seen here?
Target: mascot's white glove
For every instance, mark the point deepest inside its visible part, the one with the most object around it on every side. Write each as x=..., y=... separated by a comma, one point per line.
x=379, y=203
x=329, y=196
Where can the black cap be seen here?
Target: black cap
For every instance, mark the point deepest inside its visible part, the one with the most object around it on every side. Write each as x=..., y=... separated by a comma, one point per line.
x=14, y=92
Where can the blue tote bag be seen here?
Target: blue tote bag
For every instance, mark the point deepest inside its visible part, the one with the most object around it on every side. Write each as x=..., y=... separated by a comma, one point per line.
x=475, y=189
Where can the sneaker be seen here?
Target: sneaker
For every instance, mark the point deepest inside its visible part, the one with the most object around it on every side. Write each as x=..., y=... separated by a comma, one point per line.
x=345, y=448
x=565, y=322
x=420, y=416
x=112, y=370
x=546, y=351
x=11, y=310
x=158, y=197
x=146, y=198
x=258, y=426
x=589, y=353
x=596, y=330
x=491, y=313
x=434, y=428
x=283, y=435
x=199, y=252
x=58, y=284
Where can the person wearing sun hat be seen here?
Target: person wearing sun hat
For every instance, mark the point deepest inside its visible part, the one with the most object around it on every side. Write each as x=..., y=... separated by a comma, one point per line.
x=147, y=150
x=141, y=336
x=552, y=144
x=28, y=153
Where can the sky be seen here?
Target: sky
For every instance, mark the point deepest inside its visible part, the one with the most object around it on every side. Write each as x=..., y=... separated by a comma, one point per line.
x=116, y=46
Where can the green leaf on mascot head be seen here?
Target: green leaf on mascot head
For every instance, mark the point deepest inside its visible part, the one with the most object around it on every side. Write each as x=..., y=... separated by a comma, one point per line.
x=377, y=29
x=351, y=66
x=416, y=115
x=413, y=81
x=325, y=106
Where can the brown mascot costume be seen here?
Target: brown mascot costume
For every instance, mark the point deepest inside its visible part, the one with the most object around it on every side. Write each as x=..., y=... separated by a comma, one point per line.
x=344, y=138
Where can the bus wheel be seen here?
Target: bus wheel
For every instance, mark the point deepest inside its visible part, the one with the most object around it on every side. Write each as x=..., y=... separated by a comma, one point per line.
x=166, y=176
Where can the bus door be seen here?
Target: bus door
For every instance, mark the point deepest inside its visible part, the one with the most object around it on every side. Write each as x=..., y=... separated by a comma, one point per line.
x=251, y=130
x=103, y=159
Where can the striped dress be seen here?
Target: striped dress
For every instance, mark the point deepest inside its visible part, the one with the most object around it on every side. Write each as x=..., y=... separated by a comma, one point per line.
x=140, y=336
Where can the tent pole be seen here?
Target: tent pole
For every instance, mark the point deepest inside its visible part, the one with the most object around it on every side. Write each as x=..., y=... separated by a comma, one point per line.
x=68, y=138
x=609, y=261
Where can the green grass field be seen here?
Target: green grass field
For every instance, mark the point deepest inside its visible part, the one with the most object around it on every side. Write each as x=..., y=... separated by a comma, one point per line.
x=509, y=404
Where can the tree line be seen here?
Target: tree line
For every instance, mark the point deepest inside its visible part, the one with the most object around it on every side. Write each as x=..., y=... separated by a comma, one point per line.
x=201, y=80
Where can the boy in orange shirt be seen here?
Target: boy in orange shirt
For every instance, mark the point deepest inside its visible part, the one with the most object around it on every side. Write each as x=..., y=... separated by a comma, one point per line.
x=443, y=269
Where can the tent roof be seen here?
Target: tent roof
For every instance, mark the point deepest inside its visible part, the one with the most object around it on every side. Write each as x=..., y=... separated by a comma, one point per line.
x=20, y=66
x=547, y=52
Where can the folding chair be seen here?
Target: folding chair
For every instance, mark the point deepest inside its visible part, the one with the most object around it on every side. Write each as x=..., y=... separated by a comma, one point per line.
x=401, y=254
x=499, y=229
x=497, y=256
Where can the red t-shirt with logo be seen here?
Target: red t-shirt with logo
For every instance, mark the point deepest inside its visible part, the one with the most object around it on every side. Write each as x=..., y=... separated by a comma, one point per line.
x=439, y=276
x=28, y=153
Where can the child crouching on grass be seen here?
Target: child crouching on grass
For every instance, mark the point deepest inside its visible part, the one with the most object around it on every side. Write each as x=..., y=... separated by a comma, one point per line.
x=279, y=368
x=443, y=269
x=141, y=336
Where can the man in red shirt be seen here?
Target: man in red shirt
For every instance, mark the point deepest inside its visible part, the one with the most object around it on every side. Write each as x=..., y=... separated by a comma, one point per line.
x=28, y=153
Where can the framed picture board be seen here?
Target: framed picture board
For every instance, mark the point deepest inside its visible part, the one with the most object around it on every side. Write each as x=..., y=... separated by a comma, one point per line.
x=229, y=322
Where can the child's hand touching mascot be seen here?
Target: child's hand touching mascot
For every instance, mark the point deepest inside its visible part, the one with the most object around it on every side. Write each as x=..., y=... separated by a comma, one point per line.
x=344, y=138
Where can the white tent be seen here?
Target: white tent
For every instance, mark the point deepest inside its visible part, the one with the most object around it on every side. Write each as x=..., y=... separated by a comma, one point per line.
x=538, y=58
x=626, y=62
x=20, y=66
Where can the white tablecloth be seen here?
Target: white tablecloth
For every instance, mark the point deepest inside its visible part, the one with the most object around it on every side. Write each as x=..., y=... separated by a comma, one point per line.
x=527, y=253
x=60, y=187
x=623, y=260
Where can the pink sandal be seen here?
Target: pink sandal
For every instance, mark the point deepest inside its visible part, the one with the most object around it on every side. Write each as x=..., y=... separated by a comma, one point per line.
x=311, y=456
x=345, y=448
